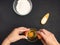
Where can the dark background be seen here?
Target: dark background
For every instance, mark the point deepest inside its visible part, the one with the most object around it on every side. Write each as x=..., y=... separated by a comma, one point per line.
x=10, y=20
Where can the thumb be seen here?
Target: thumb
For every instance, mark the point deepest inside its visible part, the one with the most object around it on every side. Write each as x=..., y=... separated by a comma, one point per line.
x=23, y=37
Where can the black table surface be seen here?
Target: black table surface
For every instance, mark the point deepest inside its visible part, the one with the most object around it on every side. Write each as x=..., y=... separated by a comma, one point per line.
x=10, y=20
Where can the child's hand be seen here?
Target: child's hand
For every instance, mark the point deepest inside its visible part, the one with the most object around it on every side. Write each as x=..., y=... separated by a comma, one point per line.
x=47, y=37
x=14, y=35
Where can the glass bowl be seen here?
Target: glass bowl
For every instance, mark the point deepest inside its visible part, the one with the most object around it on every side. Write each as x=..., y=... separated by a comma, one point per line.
x=31, y=35
x=15, y=3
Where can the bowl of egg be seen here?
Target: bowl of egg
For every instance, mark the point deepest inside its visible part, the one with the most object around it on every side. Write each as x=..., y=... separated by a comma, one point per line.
x=31, y=35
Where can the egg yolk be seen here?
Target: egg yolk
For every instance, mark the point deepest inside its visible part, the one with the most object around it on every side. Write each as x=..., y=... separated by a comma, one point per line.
x=31, y=34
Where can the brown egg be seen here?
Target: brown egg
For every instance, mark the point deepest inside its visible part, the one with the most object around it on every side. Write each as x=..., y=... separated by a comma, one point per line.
x=45, y=18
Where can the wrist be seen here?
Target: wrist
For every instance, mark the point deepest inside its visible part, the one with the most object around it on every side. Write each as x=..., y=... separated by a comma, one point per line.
x=6, y=42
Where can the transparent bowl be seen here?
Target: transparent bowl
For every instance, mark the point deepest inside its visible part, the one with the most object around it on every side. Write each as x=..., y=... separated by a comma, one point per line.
x=31, y=35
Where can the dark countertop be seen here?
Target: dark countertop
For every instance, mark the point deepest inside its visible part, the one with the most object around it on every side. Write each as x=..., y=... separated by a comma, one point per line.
x=10, y=20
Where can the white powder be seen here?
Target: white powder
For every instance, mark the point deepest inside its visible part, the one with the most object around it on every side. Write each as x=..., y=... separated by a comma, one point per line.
x=23, y=7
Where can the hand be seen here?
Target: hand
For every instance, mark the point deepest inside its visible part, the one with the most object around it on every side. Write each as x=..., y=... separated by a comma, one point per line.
x=47, y=37
x=14, y=35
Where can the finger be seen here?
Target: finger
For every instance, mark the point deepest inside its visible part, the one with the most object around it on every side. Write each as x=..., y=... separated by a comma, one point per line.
x=22, y=29
x=45, y=31
x=25, y=29
x=39, y=36
x=43, y=35
x=42, y=30
x=23, y=32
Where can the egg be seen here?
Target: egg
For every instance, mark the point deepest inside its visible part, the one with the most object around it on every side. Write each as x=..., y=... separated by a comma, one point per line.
x=31, y=35
x=45, y=18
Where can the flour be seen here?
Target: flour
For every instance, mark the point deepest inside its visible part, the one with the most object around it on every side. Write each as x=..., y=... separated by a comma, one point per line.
x=23, y=7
